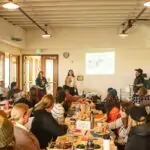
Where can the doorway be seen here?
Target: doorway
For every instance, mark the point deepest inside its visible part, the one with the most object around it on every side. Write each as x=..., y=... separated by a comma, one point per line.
x=2, y=67
x=9, y=69
x=32, y=64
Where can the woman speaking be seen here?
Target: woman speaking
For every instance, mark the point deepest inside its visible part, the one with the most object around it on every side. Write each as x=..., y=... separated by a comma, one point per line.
x=41, y=82
x=70, y=81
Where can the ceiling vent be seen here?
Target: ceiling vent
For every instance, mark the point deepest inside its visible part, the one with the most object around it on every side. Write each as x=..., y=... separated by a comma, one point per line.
x=16, y=39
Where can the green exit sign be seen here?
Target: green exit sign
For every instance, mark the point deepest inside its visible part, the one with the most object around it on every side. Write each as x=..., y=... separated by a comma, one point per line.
x=38, y=51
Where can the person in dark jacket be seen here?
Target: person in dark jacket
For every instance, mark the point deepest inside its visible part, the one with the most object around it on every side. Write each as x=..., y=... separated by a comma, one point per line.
x=24, y=100
x=138, y=81
x=44, y=126
x=139, y=135
x=13, y=90
x=41, y=82
x=35, y=95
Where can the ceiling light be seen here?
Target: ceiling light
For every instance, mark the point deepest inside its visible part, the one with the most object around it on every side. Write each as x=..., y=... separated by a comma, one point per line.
x=147, y=4
x=46, y=35
x=123, y=34
x=10, y=5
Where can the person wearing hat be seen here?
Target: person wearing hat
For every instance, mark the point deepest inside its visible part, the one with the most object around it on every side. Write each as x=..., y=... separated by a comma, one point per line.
x=7, y=140
x=138, y=81
x=139, y=134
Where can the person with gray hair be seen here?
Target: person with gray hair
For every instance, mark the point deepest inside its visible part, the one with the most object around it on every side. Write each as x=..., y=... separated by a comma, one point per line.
x=19, y=117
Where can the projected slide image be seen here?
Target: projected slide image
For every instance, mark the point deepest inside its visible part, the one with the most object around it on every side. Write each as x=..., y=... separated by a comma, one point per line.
x=100, y=63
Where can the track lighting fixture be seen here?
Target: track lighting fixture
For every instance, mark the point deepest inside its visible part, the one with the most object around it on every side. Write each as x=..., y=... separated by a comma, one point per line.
x=10, y=5
x=46, y=35
x=147, y=4
x=123, y=34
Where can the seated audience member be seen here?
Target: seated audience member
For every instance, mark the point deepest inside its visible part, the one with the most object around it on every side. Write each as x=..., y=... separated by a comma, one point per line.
x=123, y=119
x=141, y=97
x=44, y=126
x=7, y=140
x=58, y=110
x=112, y=105
x=24, y=99
x=69, y=97
x=13, y=90
x=59, y=88
x=139, y=135
x=3, y=91
x=25, y=140
x=110, y=98
x=35, y=95
x=17, y=96
x=121, y=124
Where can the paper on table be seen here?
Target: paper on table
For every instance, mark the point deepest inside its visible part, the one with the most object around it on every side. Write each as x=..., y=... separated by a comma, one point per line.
x=83, y=125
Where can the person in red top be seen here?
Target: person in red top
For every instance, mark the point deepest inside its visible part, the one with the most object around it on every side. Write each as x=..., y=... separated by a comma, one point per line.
x=112, y=105
x=69, y=97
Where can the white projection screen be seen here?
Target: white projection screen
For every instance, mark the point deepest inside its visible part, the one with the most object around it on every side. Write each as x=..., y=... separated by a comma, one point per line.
x=101, y=63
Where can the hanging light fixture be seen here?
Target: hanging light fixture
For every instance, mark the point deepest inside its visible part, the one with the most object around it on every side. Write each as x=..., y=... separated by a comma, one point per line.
x=123, y=34
x=46, y=35
x=147, y=4
x=10, y=5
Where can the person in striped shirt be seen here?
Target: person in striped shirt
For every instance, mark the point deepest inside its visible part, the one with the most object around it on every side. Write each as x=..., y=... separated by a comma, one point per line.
x=58, y=110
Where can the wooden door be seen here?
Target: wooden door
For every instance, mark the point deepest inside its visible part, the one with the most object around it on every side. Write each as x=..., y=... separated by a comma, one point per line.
x=27, y=73
x=50, y=69
x=15, y=69
x=2, y=68
x=31, y=68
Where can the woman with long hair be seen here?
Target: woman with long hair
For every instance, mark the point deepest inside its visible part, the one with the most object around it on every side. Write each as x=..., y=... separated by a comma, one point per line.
x=41, y=82
x=70, y=81
x=112, y=105
x=44, y=126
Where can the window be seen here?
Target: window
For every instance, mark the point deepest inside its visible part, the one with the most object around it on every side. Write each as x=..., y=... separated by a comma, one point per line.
x=102, y=63
x=2, y=71
x=7, y=75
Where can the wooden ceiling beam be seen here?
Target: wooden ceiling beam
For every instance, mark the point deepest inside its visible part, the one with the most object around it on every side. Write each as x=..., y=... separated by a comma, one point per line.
x=87, y=12
x=102, y=2
x=72, y=9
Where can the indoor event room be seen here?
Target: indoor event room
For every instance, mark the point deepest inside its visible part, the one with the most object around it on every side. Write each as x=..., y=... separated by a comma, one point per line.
x=74, y=75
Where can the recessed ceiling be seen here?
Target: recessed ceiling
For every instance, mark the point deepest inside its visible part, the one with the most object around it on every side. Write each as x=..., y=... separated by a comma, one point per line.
x=74, y=13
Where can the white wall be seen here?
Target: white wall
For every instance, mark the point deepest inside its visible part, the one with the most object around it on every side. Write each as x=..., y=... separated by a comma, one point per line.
x=132, y=52
x=9, y=48
x=7, y=31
